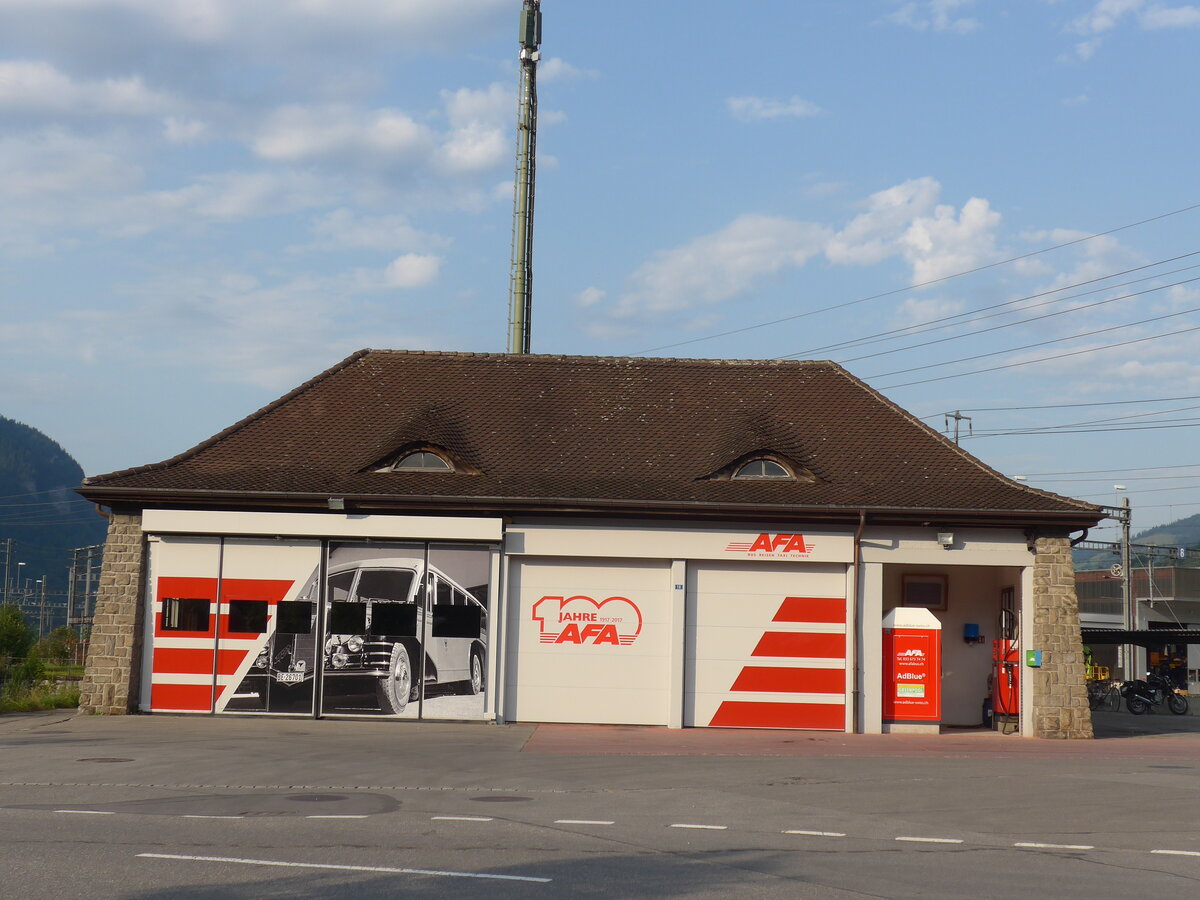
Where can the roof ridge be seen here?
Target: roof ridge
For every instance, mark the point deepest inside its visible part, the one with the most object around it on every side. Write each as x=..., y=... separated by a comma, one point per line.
x=241, y=423
x=549, y=357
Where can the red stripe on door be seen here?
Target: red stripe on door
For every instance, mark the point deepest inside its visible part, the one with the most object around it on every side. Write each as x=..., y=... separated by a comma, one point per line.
x=790, y=644
x=189, y=697
x=782, y=680
x=812, y=609
x=745, y=714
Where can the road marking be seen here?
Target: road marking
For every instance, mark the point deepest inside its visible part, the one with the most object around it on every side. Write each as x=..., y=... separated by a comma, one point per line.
x=1178, y=852
x=929, y=840
x=86, y=812
x=335, y=817
x=463, y=818
x=1055, y=846
x=211, y=817
x=342, y=868
x=701, y=827
x=583, y=822
x=816, y=833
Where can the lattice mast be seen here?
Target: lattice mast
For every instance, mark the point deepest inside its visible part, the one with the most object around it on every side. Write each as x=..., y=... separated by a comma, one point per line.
x=520, y=301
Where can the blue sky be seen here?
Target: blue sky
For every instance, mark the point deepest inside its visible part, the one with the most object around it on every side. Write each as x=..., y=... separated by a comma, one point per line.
x=205, y=203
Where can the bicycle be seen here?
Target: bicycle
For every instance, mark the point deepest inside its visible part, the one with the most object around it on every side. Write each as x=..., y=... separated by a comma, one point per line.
x=1104, y=695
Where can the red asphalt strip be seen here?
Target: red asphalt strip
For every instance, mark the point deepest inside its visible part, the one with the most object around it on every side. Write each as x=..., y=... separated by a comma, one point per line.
x=632, y=740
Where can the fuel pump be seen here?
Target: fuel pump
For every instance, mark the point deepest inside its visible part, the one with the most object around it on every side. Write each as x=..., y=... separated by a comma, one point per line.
x=1006, y=674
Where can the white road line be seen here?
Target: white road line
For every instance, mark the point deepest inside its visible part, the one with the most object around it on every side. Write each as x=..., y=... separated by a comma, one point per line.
x=341, y=868
x=86, y=812
x=463, y=818
x=335, y=817
x=816, y=833
x=1178, y=852
x=701, y=827
x=1054, y=846
x=211, y=817
x=583, y=822
x=929, y=840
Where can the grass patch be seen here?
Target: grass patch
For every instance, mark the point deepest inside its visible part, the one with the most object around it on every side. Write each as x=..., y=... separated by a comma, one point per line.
x=25, y=698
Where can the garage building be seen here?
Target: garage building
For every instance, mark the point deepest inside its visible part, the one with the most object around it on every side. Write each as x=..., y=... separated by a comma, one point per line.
x=681, y=543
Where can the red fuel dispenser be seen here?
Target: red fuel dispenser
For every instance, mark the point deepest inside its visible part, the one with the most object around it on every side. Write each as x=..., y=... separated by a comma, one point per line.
x=1006, y=674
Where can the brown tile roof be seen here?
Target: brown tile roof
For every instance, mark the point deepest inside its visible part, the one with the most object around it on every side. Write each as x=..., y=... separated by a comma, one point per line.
x=590, y=432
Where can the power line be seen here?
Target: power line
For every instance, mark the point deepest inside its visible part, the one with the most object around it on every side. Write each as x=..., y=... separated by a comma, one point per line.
x=1067, y=406
x=1030, y=362
x=1115, y=471
x=948, y=321
x=913, y=287
x=1061, y=312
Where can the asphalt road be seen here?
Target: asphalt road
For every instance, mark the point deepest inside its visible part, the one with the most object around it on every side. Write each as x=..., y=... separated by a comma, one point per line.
x=158, y=806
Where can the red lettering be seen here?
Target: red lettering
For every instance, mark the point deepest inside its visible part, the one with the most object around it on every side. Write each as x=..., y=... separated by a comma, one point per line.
x=779, y=540
x=796, y=543
x=763, y=542
x=570, y=635
x=601, y=634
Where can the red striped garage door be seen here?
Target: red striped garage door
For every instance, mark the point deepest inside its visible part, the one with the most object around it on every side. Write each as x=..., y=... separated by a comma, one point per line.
x=202, y=650
x=766, y=646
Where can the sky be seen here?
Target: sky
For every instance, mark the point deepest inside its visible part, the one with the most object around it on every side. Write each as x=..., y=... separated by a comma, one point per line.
x=983, y=206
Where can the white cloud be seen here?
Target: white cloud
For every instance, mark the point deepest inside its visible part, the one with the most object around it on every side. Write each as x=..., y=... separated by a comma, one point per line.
x=412, y=270
x=337, y=132
x=589, y=297
x=873, y=235
x=935, y=15
x=1171, y=17
x=904, y=221
x=37, y=87
x=234, y=196
x=478, y=139
x=718, y=266
x=946, y=243
x=914, y=311
x=179, y=130
x=558, y=69
x=1107, y=15
x=757, y=109
x=343, y=229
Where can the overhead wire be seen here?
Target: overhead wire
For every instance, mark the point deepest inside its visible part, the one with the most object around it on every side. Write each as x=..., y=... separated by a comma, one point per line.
x=1061, y=312
x=949, y=320
x=1030, y=362
x=913, y=287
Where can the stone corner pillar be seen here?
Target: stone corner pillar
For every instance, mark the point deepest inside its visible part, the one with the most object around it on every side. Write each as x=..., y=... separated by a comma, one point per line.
x=112, y=675
x=1059, y=692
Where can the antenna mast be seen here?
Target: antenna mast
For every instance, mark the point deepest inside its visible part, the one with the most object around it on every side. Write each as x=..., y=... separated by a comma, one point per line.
x=520, y=300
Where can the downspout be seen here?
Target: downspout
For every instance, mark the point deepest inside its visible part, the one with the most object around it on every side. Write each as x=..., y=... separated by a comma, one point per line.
x=852, y=623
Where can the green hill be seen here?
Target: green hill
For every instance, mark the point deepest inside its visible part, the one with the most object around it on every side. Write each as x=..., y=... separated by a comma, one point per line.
x=39, y=510
x=1180, y=533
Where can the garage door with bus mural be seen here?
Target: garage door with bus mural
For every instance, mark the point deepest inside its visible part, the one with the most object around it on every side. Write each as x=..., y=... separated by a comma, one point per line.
x=766, y=646
x=249, y=626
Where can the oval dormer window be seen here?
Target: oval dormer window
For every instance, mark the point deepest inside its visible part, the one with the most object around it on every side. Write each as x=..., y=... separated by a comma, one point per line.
x=762, y=468
x=421, y=461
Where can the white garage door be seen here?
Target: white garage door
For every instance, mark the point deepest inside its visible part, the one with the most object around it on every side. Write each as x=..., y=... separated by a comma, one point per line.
x=588, y=642
x=766, y=646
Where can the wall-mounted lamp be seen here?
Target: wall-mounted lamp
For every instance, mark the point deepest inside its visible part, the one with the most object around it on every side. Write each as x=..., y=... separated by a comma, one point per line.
x=971, y=634
x=946, y=539
x=337, y=503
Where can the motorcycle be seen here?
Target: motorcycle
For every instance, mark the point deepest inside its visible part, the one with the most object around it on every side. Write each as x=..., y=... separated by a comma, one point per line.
x=1144, y=693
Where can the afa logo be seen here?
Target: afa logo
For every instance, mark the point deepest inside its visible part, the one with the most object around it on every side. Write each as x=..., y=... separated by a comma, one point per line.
x=772, y=544
x=616, y=621
x=912, y=652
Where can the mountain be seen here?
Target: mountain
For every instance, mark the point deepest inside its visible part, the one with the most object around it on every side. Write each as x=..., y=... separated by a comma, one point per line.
x=1180, y=533
x=39, y=509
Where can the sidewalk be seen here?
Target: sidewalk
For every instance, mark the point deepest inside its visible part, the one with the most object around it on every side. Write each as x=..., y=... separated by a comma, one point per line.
x=1120, y=736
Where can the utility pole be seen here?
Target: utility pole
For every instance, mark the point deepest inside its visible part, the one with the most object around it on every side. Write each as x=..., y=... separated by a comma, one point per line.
x=42, y=609
x=958, y=418
x=8, y=548
x=1127, y=588
x=520, y=300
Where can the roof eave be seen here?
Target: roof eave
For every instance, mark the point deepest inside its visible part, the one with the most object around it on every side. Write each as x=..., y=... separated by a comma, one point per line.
x=1084, y=517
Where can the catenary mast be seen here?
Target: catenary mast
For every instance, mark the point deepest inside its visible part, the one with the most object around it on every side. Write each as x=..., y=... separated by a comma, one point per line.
x=520, y=301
